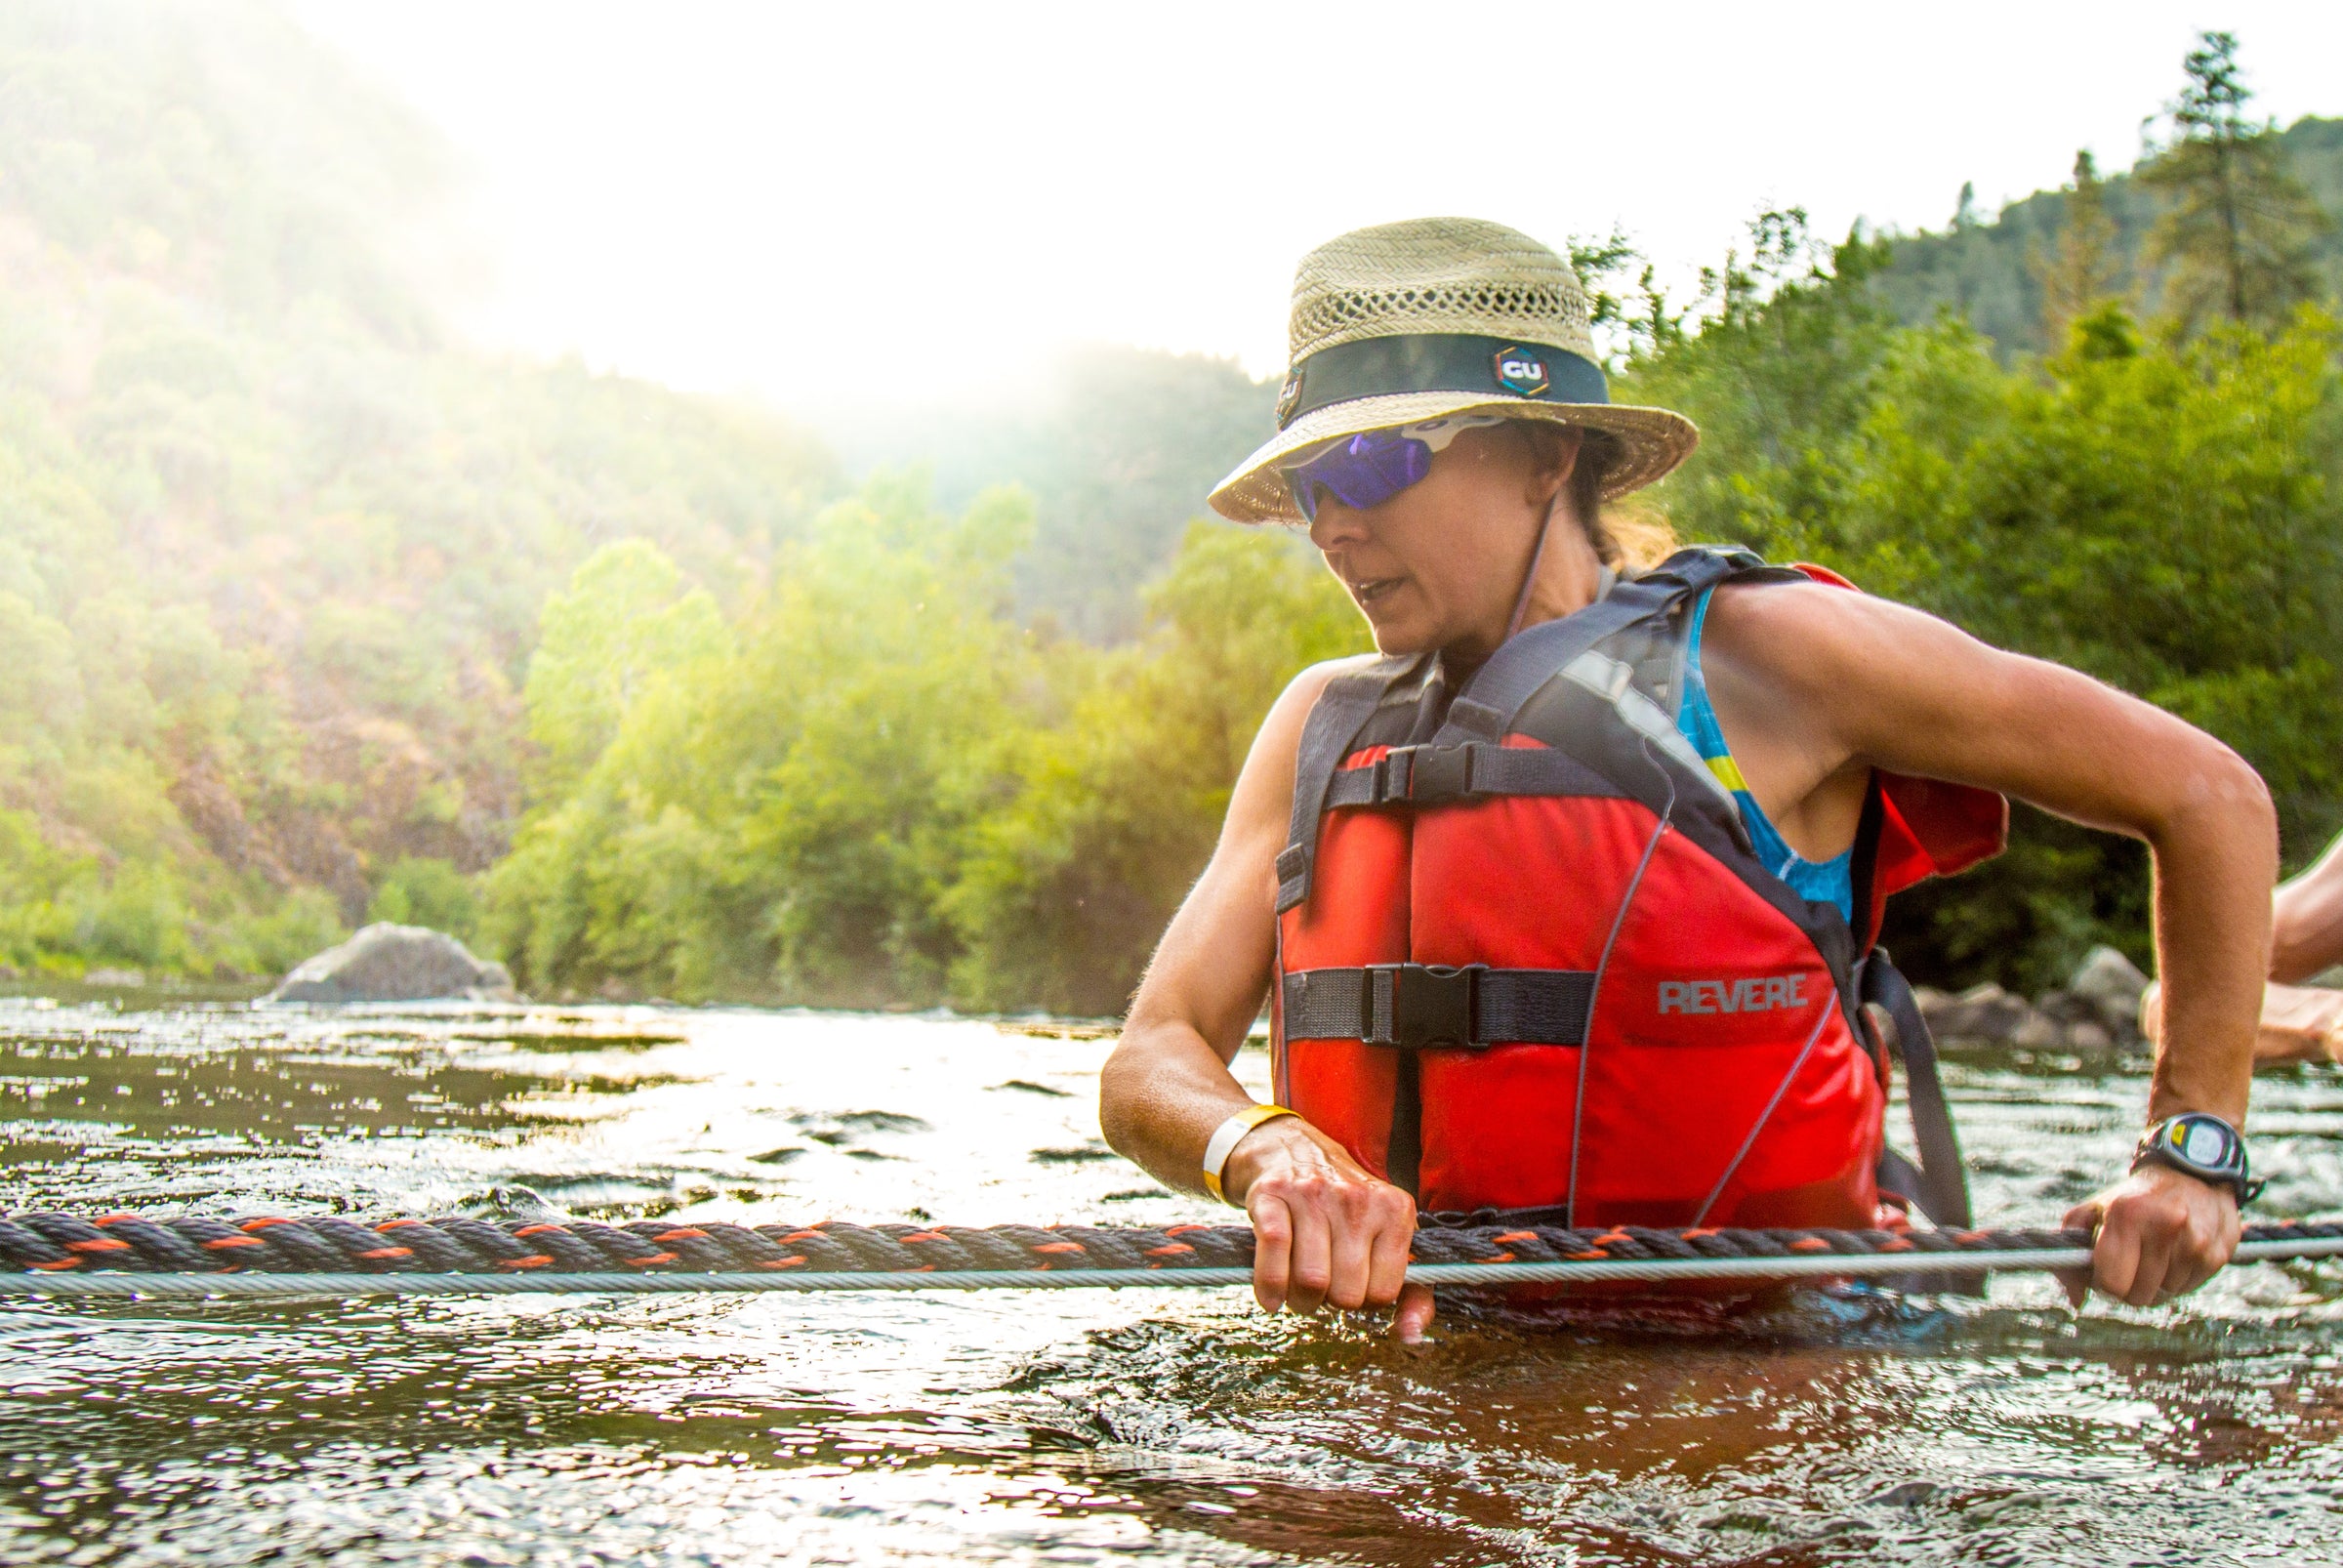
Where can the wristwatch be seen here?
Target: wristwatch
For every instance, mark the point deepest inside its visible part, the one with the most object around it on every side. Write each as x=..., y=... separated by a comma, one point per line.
x=2205, y=1146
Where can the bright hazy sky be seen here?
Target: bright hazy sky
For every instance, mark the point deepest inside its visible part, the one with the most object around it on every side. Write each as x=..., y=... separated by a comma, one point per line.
x=850, y=203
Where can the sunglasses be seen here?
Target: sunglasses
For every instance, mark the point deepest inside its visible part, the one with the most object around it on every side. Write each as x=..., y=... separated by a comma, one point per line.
x=1369, y=469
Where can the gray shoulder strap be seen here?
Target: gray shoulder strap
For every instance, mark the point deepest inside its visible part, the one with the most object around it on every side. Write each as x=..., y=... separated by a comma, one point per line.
x=1343, y=709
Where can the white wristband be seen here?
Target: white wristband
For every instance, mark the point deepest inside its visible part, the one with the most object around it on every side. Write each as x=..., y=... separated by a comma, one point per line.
x=1225, y=1139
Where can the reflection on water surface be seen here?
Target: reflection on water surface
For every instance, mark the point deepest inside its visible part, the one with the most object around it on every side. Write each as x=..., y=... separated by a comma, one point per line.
x=1067, y=1427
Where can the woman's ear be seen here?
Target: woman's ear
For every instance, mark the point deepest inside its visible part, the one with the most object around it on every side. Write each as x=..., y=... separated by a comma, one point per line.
x=1556, y=449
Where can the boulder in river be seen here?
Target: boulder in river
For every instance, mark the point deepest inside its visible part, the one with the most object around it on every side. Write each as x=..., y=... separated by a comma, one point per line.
x=387, y=963
x=2112, y=983
x=2095, y=1017
x=1983, y=1014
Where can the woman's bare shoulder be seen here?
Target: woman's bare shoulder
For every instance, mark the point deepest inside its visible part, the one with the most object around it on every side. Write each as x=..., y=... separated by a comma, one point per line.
x=1807, y=632
x=1268, y=775
x=1292, y=709
x=1305, y=688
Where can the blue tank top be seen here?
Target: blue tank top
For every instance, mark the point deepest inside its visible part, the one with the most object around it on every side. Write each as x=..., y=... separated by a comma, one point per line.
x=1821, y=882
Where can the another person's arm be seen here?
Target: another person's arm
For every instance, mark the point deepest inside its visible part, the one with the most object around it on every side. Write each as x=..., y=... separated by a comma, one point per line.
x=1325, y=1230
x=2299, y=1024
x=2306, y=934
x=1875, y=682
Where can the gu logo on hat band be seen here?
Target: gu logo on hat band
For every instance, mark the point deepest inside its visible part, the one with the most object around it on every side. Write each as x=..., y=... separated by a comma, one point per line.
x=1522, y=370
x=1439, y=361
x=1287, y=396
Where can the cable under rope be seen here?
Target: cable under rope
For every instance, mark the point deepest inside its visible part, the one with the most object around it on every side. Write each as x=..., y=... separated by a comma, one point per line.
x=124, y=1255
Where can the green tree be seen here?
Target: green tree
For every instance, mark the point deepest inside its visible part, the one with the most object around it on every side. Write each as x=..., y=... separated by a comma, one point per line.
x=2236, y=241
x=779, y=817
x=417, y=890
x=1786, y=351
x=626, y=618
x=2083, y=266
x=1068, y=885
x=272, y=551
x=1965, y=210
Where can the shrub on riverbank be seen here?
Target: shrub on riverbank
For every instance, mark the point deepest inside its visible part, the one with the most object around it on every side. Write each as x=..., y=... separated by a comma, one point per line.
x=882, y=787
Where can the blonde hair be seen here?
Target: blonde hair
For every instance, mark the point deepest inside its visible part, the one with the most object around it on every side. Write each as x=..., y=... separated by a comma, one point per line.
x=1638, y=538
x=1642, y=535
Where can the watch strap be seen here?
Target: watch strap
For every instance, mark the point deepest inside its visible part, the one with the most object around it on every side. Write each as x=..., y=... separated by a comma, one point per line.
x=2178, y=1143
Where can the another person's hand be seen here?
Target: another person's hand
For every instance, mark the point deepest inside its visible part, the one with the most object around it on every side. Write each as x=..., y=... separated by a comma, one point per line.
x=1325, y=1231
x=2160, y=1233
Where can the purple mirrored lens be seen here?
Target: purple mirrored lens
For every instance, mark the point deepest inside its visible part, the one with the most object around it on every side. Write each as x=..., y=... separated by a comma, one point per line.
x=1363, y=472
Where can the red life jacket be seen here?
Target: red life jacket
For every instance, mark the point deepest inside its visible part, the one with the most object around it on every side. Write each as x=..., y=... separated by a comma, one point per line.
x=1526, y=959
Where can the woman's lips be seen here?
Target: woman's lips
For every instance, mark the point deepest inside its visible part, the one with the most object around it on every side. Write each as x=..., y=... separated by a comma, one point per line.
x=1366, y=593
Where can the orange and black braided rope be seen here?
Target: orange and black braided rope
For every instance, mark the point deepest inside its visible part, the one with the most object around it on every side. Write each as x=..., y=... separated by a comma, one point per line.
x=455, y=1245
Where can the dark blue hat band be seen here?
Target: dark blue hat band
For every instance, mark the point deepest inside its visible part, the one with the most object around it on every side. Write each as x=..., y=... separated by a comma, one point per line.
x=1439, y=361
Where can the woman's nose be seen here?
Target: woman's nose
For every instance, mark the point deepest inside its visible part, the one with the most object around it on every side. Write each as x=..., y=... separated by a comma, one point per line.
x=1335, y=523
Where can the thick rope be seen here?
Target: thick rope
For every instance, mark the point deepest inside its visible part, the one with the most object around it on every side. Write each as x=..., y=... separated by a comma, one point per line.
x=128, y=1255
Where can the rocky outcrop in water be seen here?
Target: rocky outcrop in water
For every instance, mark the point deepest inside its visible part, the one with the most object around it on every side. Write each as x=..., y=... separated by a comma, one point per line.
x=387, y=963
x=2096, y=1016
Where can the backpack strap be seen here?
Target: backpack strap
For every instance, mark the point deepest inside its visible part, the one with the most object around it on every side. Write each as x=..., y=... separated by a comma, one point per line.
x=1938, y=1183
x=1341, y=710
x=1486, y=707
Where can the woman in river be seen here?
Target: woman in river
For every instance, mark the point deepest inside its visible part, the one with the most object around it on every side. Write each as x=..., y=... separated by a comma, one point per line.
x=1565, y=901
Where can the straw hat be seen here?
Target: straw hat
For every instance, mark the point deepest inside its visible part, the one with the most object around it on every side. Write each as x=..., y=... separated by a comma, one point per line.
x=1436, y=319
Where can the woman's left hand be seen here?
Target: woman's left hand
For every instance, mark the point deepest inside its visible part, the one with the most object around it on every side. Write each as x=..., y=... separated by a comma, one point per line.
x=2160, y=1233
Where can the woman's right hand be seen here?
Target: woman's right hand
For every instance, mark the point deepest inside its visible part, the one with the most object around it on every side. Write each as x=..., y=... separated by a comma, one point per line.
x=1325, y=1231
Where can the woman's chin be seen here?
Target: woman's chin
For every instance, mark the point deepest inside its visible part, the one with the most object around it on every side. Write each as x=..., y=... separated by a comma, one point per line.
x=1399, y=635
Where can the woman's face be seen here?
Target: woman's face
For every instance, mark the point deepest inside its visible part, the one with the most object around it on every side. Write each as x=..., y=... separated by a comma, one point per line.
x=1439, y=564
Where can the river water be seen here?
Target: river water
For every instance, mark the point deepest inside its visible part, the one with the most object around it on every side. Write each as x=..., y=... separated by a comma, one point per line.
x=1174, y=1426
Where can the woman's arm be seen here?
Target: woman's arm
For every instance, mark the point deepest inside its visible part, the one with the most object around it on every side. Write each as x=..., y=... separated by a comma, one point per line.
x=1874, y=683
x=1325, y=1230
x=2307, y=931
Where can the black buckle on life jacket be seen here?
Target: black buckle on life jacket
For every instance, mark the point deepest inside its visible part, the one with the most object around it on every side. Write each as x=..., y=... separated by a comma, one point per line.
x=1424, y=773
x=1416, y=1006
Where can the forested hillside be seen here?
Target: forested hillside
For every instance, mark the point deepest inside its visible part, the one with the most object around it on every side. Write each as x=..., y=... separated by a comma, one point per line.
x=272, y=549
x=1989, y=272
x=1118, y=448
x=315, y=613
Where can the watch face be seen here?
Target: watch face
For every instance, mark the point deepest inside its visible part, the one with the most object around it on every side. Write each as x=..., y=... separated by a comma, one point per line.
x=2204, y=1143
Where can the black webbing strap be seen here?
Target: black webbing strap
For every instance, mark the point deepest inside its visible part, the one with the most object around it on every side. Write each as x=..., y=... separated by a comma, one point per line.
x=1417, y=1006
x=1514, y=673
x=1939, y=1184
x=1347, y=704
x=1425, y=776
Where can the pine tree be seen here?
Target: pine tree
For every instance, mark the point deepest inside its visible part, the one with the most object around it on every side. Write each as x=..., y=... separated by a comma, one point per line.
x=2086, y=265
x=2236, y=242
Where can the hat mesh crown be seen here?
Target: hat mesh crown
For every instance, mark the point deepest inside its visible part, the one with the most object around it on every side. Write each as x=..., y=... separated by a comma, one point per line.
x=1437, y=274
